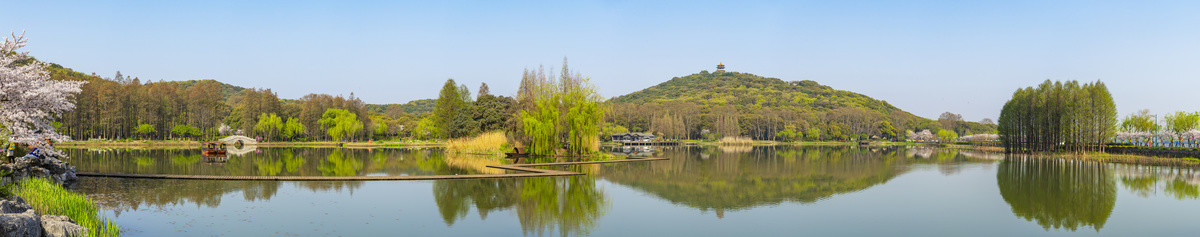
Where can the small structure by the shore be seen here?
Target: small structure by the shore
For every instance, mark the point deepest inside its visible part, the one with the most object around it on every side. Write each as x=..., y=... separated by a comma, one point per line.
x=632, y=137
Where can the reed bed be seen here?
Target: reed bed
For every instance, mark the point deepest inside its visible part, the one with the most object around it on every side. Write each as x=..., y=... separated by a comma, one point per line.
x=489, y=143
x=49, y=198
x=737, y=140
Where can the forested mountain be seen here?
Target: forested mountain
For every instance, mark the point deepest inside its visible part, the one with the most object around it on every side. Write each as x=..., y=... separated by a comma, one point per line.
x=718, y=104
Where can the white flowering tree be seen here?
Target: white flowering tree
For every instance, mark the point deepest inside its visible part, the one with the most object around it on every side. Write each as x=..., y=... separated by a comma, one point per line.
x=980, y=138
x=923, y=136
x=29, y=100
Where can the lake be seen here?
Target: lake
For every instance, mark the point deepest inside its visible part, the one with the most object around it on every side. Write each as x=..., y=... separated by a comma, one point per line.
x=699, y=191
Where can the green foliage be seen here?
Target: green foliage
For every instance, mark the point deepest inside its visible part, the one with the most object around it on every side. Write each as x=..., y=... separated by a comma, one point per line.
x=835, y=132
x=789, y=134
x=145, y=129
x=610, y=129
x=381, y=126
x=1058, y=116
x=49, y=198
x=583, y=119
x=493, y=112
x=427, y=128
x=419, y=107
x=339, y=123
x=463, y=125
x=269, y=125
x=886, y=130
x=813, y=134
x=185, y=130
x=569, y=108
x=293, y=128
x=1142, y=121
x=1180, y=121
x=947, y=136
x=449, y=104
x=541, y=125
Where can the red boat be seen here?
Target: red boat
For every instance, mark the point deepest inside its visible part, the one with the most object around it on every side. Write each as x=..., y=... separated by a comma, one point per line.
x=212, y=149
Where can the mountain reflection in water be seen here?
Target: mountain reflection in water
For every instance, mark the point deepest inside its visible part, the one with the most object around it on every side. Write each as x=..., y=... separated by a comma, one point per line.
x=1055, y=194
x=724, y=179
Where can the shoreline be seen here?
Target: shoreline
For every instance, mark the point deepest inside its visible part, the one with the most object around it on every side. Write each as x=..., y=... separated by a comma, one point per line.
x=180, y=144
x=1122, y=158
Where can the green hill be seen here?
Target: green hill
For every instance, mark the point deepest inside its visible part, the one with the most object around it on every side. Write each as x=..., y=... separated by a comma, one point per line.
x=764, y=108
x=749, y=90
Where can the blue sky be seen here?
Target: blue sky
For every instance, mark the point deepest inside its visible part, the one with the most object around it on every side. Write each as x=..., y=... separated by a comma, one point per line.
x=925, y=57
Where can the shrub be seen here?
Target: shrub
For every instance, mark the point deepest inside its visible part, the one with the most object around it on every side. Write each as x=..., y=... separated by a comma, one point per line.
x=49, y=198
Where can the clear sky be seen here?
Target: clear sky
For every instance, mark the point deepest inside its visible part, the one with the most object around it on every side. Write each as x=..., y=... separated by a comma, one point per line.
x=925, y=57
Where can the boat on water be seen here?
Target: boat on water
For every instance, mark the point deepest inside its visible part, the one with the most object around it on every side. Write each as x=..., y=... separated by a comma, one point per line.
x=213, y=149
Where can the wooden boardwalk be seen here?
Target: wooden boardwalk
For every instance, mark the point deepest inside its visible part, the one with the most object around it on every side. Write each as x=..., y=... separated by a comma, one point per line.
x=530, y=172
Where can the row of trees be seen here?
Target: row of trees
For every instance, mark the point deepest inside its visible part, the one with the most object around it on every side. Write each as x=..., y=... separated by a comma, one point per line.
x=123, y=107
x=1143, y=121
x=1058, y=116
x=687, y=120
x=1177, y=129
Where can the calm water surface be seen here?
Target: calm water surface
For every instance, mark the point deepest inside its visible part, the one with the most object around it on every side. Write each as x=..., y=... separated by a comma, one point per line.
x=700, y=191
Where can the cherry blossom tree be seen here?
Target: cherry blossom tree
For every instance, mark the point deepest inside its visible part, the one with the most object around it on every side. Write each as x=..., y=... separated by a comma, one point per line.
x=29, y=100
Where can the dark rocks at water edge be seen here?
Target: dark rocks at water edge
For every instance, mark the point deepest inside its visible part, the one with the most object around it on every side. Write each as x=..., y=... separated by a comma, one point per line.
x=47, y=167
x=19, y=219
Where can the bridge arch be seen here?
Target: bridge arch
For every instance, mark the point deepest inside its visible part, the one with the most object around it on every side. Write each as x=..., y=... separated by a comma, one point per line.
x=239, y=138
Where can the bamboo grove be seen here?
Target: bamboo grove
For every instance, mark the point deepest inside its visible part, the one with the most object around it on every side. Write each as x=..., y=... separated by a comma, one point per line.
x=1057, y=117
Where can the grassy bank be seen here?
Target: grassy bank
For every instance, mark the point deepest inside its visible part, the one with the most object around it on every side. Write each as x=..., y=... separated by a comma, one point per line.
x=49, y=198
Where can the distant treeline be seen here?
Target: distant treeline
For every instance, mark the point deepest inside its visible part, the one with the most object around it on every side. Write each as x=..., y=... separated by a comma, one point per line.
x=124, y=107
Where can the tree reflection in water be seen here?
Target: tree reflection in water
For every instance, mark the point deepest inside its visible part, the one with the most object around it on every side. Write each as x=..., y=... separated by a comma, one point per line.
x=1058, y=193
x=712, y=178
x=126, y=194
x=571, y=205
x=1176, y=182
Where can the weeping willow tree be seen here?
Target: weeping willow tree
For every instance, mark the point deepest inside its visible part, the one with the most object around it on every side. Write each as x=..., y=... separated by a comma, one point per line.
x=1058, y=116
x=552, y=112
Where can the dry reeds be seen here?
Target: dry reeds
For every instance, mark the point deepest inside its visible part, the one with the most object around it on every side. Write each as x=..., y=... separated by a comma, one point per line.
x=736, y=140
x=489, y=143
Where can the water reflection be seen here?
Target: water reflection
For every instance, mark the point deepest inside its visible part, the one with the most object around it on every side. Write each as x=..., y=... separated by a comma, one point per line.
x=273, y=162
x=1146, y=181
x=734, y=178
x=1063, y=195
x=570, y=205
x=1058, y=193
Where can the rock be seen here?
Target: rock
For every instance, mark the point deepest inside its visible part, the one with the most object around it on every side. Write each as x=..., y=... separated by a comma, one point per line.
x=61, y=226
x=19, y=219
x=47, y=167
